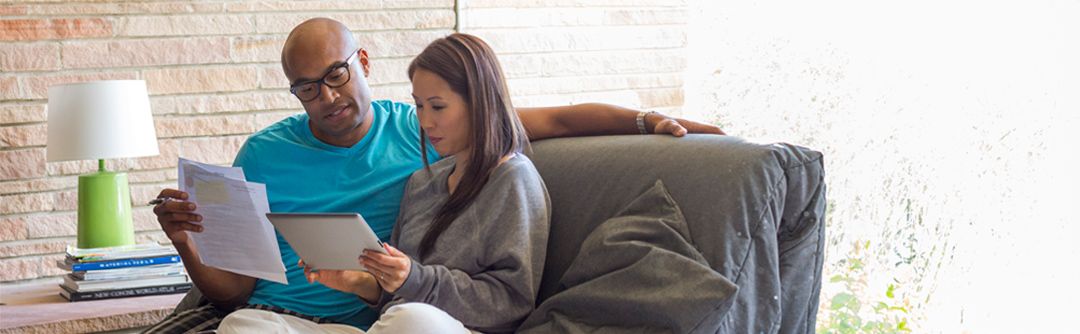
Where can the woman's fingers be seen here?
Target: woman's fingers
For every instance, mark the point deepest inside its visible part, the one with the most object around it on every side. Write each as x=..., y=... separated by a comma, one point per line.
x=385, y=261
x=394, y=251
x=377, y=267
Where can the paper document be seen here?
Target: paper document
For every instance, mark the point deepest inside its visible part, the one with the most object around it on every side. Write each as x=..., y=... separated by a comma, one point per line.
x=236, y=235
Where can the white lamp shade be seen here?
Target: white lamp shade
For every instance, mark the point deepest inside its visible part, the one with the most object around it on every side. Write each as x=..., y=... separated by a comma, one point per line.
x=100, y=120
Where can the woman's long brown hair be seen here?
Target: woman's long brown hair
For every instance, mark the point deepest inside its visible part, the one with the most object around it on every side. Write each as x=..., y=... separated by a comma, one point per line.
x=472, y=70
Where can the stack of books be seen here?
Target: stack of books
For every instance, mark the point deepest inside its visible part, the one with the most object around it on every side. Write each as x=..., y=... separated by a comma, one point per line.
x=125, y=271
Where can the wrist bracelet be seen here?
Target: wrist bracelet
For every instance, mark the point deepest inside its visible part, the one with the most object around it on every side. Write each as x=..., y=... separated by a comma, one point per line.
x=641, y=122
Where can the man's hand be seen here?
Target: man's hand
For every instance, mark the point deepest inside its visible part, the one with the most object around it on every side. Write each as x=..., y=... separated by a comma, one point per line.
x=176, y=215
x=678, y=127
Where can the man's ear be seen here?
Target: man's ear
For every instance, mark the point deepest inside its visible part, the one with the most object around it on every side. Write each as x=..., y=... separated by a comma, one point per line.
x=365, y=63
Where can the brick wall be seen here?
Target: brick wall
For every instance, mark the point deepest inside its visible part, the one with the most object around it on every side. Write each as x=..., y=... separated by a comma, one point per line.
x=213, y=75
x=562, y=52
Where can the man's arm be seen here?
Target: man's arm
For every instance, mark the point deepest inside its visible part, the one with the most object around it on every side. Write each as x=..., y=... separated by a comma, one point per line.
x=596, y=119
x=177, y=216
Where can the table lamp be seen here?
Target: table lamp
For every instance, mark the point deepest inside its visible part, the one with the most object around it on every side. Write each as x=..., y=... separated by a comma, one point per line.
x=101, y=120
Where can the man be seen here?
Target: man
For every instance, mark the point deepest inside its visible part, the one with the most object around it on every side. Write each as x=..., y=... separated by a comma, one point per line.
x=347, y=153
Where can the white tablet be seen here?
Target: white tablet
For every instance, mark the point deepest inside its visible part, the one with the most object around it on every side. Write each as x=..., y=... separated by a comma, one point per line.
x=327, y=240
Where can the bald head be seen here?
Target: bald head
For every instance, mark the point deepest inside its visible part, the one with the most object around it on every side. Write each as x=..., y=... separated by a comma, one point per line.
x=314, y=40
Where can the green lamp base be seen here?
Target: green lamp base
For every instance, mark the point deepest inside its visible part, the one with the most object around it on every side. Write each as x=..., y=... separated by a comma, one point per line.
x=105, y=210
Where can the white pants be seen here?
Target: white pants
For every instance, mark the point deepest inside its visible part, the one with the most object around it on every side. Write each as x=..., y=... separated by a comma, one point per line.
x=403, y=318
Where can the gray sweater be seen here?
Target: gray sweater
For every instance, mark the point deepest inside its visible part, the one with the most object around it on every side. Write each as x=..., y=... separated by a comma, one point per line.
x=485, y=268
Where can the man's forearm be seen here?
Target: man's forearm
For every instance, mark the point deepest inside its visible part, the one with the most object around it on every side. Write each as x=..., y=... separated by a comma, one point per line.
x=223, y=288
x=593, y=119
x=586, y=119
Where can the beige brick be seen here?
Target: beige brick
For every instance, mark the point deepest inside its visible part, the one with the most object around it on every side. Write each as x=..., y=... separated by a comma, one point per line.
x=389, y=71
x=167, y=155
x=573, y=3
x=21, y=164
x=646, y=16
x=398, y=43
x=143, y=193
x=10, y=89
x=13, y=229
x=262, y=120
x=36, y=247
x=125, y=8
x=66, y=224
x=65, y=200
x=398, y=4
x=276, y=99
x=583, y=38
x=628, y=98
x=268, y=100
x=29, y=57
x=152, y=176
x=144, y=219
x=37, y=87
x=272, y=77
x=213, y=150
x=22, y=113
x=476, y=18
x=185, y=25
x=568, y=85
x=295, y=6
x=201, y=80
x=145, y=52
x=12, y=10
x=521, y=65
x=30, y=268
x=43, y=29
x=75, y=167
x=257, y=48
x=22, y=135
x=152, y=236
x=168, y=152
x=666, y=97
x=396, y=92
x=38, y=185
x=594, y=63
x=169, y=105
x=172, y=127
x=23, y=203
x=363, y=21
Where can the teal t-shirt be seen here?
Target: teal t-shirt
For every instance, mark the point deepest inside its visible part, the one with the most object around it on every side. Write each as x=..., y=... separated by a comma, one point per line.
x=303, y=174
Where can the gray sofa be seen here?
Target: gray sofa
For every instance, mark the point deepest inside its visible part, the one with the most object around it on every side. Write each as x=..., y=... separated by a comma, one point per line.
x=755, y=213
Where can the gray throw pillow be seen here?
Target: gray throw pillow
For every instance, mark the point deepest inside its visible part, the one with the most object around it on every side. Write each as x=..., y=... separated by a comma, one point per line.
x=638, y=272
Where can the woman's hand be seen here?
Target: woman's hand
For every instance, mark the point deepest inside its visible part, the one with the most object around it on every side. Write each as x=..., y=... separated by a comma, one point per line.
x=350, y=281
x=390, y=270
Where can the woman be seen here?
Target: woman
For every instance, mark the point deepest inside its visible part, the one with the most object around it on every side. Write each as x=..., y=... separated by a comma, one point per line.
x=472, y=233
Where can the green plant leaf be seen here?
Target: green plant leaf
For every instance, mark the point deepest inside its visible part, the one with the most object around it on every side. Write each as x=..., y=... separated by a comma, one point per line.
x=880, y=306
x=903, y=326
x=843, y=299
x=889, y=291
x=856, y=264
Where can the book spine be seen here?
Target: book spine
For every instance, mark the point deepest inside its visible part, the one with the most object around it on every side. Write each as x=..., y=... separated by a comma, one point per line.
x=133, y=292
x=124, y=263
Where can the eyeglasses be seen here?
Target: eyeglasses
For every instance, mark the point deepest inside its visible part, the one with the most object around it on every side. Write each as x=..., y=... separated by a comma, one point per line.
x=335, y=77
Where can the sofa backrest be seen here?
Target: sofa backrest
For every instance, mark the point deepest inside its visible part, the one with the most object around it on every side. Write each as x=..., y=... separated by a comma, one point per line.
x=724, y=186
